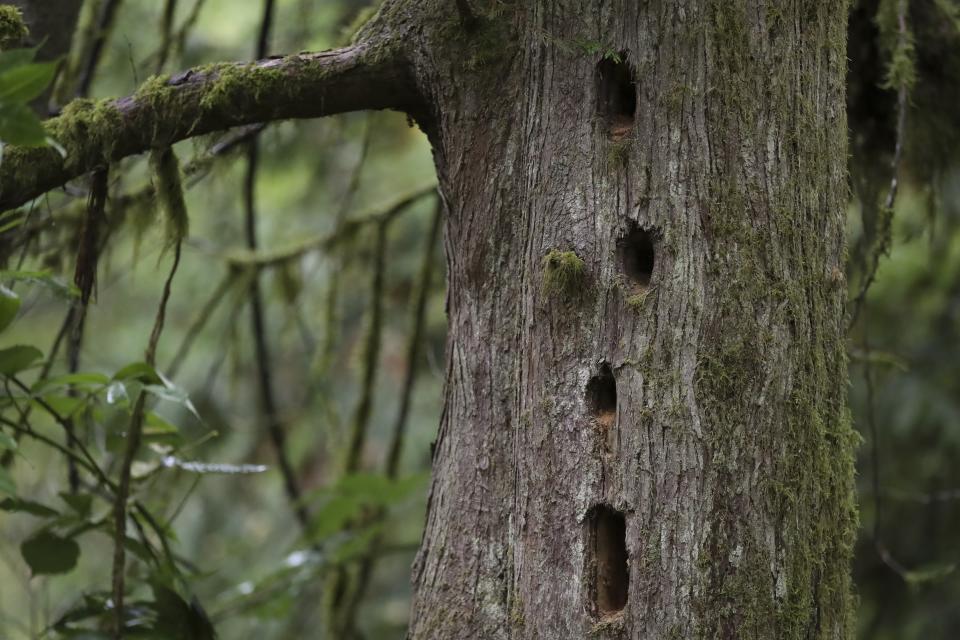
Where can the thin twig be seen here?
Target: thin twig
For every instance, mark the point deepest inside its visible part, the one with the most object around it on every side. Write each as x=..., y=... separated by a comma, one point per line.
x=7, y=457
x=104, y=21
x=59, y=420
x=871, y=417
x=413, y=347
x=348, y=229
x=50, y=442
x=200, y=321
x=134, y=435
x=392, y=465
x=184, y=31
x=330, y=314
x=166, y=34
x=274, y=422
x=361, y=416
x=371, y=354
x=886, y=214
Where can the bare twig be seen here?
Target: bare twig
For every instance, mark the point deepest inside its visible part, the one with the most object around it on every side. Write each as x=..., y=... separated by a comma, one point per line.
x=268, y=402
x=886, y=213
x=188, y=24
x=392, y=465
x=108, y=12
x=166, y=34
x=134, y=436
x=361, y=416
x=263, y=259
x=200, y=321
x=371, y=354
x=413, y=346
x=882, y=551
x=330, y=311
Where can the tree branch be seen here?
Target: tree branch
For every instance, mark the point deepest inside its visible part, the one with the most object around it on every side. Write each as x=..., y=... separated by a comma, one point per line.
x=368, y=75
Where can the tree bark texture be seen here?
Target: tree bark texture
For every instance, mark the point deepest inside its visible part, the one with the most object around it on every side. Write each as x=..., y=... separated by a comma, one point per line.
x=690, y=411
x=645, y=431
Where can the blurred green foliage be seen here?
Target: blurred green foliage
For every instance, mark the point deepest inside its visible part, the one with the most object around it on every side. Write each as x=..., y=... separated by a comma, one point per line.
x=214, y=539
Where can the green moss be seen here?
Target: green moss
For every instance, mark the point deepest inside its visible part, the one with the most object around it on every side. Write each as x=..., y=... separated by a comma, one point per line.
x=766, y=285
x=637, y=300
x=517, y=619
x=236, y=84
x=86, y=129
x=608, y=627
x=899, y=47
x=169, y=191
x=13, y=30
x=618, y=151
x=352, y=31
x=564, y=274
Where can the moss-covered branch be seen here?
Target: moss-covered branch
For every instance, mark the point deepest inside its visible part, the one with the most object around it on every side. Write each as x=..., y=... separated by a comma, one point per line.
x=368, y=75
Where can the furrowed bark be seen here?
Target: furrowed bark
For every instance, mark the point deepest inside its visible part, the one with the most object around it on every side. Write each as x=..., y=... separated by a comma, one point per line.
x=368, y=75
x=644, y=434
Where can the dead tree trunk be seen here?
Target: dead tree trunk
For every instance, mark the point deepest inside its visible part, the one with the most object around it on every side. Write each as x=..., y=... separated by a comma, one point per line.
x=645, y=432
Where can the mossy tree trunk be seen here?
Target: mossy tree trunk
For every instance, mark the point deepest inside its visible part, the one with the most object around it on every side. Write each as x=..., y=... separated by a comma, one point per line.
x=645, y=432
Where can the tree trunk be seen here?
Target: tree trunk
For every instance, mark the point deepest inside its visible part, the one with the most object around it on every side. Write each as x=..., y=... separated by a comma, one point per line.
x=644, y=432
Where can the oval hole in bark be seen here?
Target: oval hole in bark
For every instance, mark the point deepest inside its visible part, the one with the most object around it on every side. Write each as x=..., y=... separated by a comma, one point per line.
x=602, y=396
x=617, y=94
x=637, y=256
x=610, y=579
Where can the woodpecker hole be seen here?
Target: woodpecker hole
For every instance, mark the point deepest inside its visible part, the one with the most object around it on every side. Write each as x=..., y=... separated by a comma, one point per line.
x=610, y=579
x=617, y=94
x=602, y=397
x=636, y=253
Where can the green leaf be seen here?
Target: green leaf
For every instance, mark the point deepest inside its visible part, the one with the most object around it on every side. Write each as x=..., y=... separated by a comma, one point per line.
x=21, y=126
x=75, y=379
x=13, y=360
x=49, y=554
x=157, y=430
x=65, y=406
x=7, y=441
x=15, y=222
x=179, y=619
x=19, y=505
x=25, y=82
x=44, y=278
x=81, y=503
x=16, y=58
x=7, y=485
x=9, y=305
x=169, y=392
x=140, y=371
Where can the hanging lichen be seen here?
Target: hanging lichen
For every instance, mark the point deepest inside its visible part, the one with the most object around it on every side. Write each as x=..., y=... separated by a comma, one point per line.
x=169, y=191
